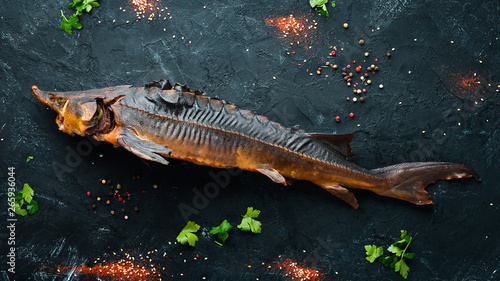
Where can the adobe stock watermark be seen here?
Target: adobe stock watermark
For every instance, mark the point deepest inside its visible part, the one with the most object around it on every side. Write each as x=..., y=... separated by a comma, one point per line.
x=325, y=247
x=453, y=118
x=11, y=220
x=74, y=156
x=220, y=180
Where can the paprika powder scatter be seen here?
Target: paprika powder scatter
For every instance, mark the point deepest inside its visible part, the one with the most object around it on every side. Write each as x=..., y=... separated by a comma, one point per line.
x=292, y=269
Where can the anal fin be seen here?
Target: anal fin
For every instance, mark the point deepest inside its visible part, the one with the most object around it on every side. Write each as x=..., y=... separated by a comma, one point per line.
x=273, y=174
x=143, y=148
x=342, y=193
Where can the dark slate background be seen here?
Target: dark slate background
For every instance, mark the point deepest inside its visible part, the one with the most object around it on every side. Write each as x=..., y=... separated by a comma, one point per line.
x=234, y=54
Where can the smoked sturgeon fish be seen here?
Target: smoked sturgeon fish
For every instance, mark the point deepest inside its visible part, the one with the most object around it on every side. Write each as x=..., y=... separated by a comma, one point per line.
x=162, y=121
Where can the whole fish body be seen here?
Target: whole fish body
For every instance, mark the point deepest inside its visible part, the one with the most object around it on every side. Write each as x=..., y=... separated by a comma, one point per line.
x=162, y=121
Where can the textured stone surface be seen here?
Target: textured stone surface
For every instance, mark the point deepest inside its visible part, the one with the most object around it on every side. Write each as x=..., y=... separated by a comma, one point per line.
x=229, y=51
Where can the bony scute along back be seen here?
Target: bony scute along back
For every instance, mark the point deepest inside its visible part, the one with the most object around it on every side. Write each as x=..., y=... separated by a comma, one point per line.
x=162, y=121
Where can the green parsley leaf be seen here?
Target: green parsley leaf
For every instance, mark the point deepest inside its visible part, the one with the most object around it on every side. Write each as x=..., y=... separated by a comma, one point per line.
x=27, y=193
x=222, y=231
x=248, y=223
x=388, y=261
x=317, y=3
x=402, y=268
x=32, y=207
x=333, y=4
x=19, y=196
x=68, y=25
x=18, y=208
x=404, y=234
x=372, y=252
x=29, y=158
x=409, y=255
x=83, y=5
x=395, y=250
x=186, y=234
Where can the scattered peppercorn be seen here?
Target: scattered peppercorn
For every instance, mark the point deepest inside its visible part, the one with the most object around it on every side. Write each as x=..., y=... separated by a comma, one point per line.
x=354, y=99
x=334, y=66
x=361, y=99
x=126, y=217
x=388, y=55
x=98, y=199
x=108, y=202
x=361, y=42
x=351, y=115
x=358, y=92
x=351, y=74
x=112, y=212
x=136, y=209
x=346, y=25
x=367, y=54
x=364, y=90
x=123, y=210
x=94, y=206
x=376, y=68
x=369, y=69
x=118, y=186
x=381, y=86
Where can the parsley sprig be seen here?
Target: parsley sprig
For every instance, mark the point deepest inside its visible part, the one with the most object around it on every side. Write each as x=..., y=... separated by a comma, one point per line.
x=320, y=6
x=221, y=231
x=25, y=196
x=399, y=254
x=80, y=6
x=248, y=223
x=188, y=234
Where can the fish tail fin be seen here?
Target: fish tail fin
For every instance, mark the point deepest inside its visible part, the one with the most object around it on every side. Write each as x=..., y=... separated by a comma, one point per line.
x=407, y=181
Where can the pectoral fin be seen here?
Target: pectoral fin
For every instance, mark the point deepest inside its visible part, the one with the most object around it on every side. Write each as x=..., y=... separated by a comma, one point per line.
x=145, y=149
x=273, y=174
x=343, y=194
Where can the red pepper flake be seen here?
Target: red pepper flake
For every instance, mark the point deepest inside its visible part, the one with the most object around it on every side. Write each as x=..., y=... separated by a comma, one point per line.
x=332, y=53
x=337, y=118
x=353, y=62
x=294, y=30
x=297, y=272
x=348, y=66
x=130, y=267
x=358, y=69
x=88, y=193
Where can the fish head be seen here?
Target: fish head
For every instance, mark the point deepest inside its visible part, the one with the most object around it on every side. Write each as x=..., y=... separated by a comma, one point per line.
x=77, y=112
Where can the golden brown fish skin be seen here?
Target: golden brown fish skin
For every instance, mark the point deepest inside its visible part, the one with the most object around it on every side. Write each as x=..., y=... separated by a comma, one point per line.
x=162, y=121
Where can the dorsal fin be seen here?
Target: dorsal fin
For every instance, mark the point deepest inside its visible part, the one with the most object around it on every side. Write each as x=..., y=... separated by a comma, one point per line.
x=162, y=84
x=341, y=143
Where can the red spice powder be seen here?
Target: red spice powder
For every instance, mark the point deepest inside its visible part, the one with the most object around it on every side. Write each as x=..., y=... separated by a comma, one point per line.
x=467, y=84
x=150, y=9
x=123, y=269
x=294, y=30
x=297, y=272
